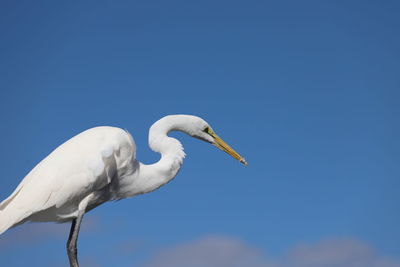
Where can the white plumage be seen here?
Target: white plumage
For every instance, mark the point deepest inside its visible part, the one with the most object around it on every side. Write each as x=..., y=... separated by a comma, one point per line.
x=84, y=164
x=99, y=165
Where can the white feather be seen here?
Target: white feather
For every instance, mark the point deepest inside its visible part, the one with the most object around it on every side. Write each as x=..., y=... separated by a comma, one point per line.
x=96, y=166
x=53, y=190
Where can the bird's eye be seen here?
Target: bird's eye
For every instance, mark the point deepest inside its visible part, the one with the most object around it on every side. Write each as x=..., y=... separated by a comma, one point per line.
x=207, y=129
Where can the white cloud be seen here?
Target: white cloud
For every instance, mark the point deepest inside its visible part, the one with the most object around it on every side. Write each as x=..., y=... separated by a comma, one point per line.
x=220, y=251
x=337, y=253
x=35, y=232
x=31, y=233
x=212, y=251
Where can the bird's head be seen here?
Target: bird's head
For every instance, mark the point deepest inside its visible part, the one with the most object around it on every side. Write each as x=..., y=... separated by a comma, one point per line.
x=199, y=128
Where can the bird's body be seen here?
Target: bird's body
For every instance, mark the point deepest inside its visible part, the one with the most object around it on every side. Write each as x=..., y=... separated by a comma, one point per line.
x=95, y=161
x=96, y=166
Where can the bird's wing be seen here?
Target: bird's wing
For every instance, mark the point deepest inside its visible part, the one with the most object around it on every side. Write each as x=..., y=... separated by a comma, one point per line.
x=54, y=188
x=100, y=171
x=58, y=181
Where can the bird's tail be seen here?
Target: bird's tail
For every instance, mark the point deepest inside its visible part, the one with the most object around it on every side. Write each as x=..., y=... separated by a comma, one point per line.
x=4, y=224
x=5, y=221
x=8, y=216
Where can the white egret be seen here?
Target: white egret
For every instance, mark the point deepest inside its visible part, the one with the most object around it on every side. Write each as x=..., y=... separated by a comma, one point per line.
x=96, y=166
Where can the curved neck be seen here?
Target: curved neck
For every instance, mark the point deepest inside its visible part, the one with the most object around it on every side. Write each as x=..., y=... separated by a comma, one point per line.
x=155, y=175
x=167, y=146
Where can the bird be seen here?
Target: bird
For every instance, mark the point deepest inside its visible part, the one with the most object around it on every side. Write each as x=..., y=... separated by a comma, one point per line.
x=100, y=165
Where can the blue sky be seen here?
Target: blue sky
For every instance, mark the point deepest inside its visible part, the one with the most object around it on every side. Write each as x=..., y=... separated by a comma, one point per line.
x=306, y=91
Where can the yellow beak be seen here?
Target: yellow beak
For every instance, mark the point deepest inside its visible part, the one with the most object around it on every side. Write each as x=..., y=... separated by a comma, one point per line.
x=225, y=147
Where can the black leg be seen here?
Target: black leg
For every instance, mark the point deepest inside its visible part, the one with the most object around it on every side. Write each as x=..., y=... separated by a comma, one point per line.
x=73, y=239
